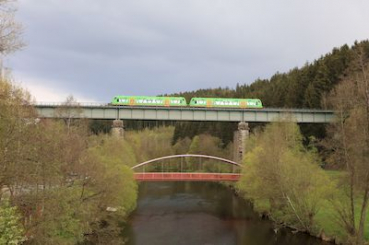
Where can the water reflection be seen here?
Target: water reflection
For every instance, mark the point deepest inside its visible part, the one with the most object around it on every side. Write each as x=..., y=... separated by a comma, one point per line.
x=201, y=213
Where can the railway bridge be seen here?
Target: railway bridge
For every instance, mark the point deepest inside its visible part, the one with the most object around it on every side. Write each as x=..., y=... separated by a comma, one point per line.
x=209, y=114
x=233, y=175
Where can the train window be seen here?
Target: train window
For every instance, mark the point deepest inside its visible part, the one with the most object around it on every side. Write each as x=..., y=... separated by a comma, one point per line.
x=117, y=100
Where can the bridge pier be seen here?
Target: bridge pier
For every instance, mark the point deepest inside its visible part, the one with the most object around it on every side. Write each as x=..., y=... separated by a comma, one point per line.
x=239, y=138
x=117, y=129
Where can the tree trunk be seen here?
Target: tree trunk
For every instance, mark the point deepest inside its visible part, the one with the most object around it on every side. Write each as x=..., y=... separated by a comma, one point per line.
x=360, y=232
x=360, y=235
x=351, y=169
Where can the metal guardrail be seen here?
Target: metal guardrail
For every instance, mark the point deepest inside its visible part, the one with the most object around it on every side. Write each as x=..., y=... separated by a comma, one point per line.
x=168, y=176
x=46, y=103
x=227, y=161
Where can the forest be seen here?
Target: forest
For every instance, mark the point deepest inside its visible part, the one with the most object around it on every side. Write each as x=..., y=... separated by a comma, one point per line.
x=301, y=87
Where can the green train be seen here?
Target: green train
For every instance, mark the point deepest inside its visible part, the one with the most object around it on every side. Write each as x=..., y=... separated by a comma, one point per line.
x=149, y=101
x=181, y=101
x=226, y=103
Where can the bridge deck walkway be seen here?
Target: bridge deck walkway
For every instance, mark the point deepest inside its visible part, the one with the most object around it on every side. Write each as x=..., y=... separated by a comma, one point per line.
x=166, y=176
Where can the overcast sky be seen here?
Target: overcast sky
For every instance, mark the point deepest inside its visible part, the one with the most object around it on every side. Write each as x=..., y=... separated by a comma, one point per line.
x=96, y=49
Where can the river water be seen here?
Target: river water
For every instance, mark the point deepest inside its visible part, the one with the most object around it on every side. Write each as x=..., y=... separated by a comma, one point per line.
x=201, y=213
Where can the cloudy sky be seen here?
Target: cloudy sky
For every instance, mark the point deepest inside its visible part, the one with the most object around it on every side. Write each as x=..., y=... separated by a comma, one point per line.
x=96, y=49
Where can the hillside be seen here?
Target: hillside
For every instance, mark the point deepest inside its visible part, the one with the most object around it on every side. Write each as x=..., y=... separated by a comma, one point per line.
x=304, y=87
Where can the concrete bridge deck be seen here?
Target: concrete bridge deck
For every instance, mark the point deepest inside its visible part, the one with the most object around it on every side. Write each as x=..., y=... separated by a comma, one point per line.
x=105, y=111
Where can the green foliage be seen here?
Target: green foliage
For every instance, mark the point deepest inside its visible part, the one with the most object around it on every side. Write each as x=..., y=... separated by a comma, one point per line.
x=149, y=144
x=84, y=184
x=280, y=171
x=15, y=130
x=194, y=149
x=114, y=186
x=303, y=87
x=195, y=145
x=113, y=149
x=11, y=230
x=182, y=146
x=58, y=219
x=205, y=144
x=109, y=184
x=61, y=180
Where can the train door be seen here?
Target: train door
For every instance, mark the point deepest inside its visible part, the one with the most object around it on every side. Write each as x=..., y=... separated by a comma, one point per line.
x=131, y=101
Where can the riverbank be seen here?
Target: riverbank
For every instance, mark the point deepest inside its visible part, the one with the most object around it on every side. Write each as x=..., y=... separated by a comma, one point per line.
x=262, y=207
x=327, y=226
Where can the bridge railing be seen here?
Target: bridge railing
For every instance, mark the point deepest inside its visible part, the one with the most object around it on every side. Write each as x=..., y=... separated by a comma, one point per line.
x=46, y=103
x=178, y=163
x=187, y=176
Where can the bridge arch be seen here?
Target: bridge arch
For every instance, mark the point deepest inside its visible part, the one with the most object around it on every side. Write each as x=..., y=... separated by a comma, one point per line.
x=187, y=155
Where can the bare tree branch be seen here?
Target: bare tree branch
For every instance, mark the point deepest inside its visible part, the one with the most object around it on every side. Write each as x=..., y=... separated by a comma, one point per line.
x=10, y=29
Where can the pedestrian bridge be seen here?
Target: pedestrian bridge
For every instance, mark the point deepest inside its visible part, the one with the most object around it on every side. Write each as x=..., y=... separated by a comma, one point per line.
x=185, y=176
x=162, y=176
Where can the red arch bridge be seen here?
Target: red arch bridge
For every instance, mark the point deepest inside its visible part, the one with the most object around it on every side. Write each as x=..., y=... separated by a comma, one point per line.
x=186, y=176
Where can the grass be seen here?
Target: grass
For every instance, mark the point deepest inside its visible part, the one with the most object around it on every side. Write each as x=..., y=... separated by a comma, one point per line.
x=335, y=174
x=327, y=219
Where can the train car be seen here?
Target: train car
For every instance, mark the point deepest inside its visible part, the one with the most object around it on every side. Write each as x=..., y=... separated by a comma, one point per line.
x=148, y=101
x=226, y=103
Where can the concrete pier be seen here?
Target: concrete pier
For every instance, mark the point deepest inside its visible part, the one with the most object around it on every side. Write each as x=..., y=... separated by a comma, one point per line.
x=118, y=129
x=239, y=138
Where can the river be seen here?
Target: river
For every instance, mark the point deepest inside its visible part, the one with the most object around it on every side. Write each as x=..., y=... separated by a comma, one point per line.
x=201, y=213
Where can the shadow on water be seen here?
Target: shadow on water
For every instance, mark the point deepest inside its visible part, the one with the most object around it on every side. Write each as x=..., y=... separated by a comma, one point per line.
x=201, y=213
